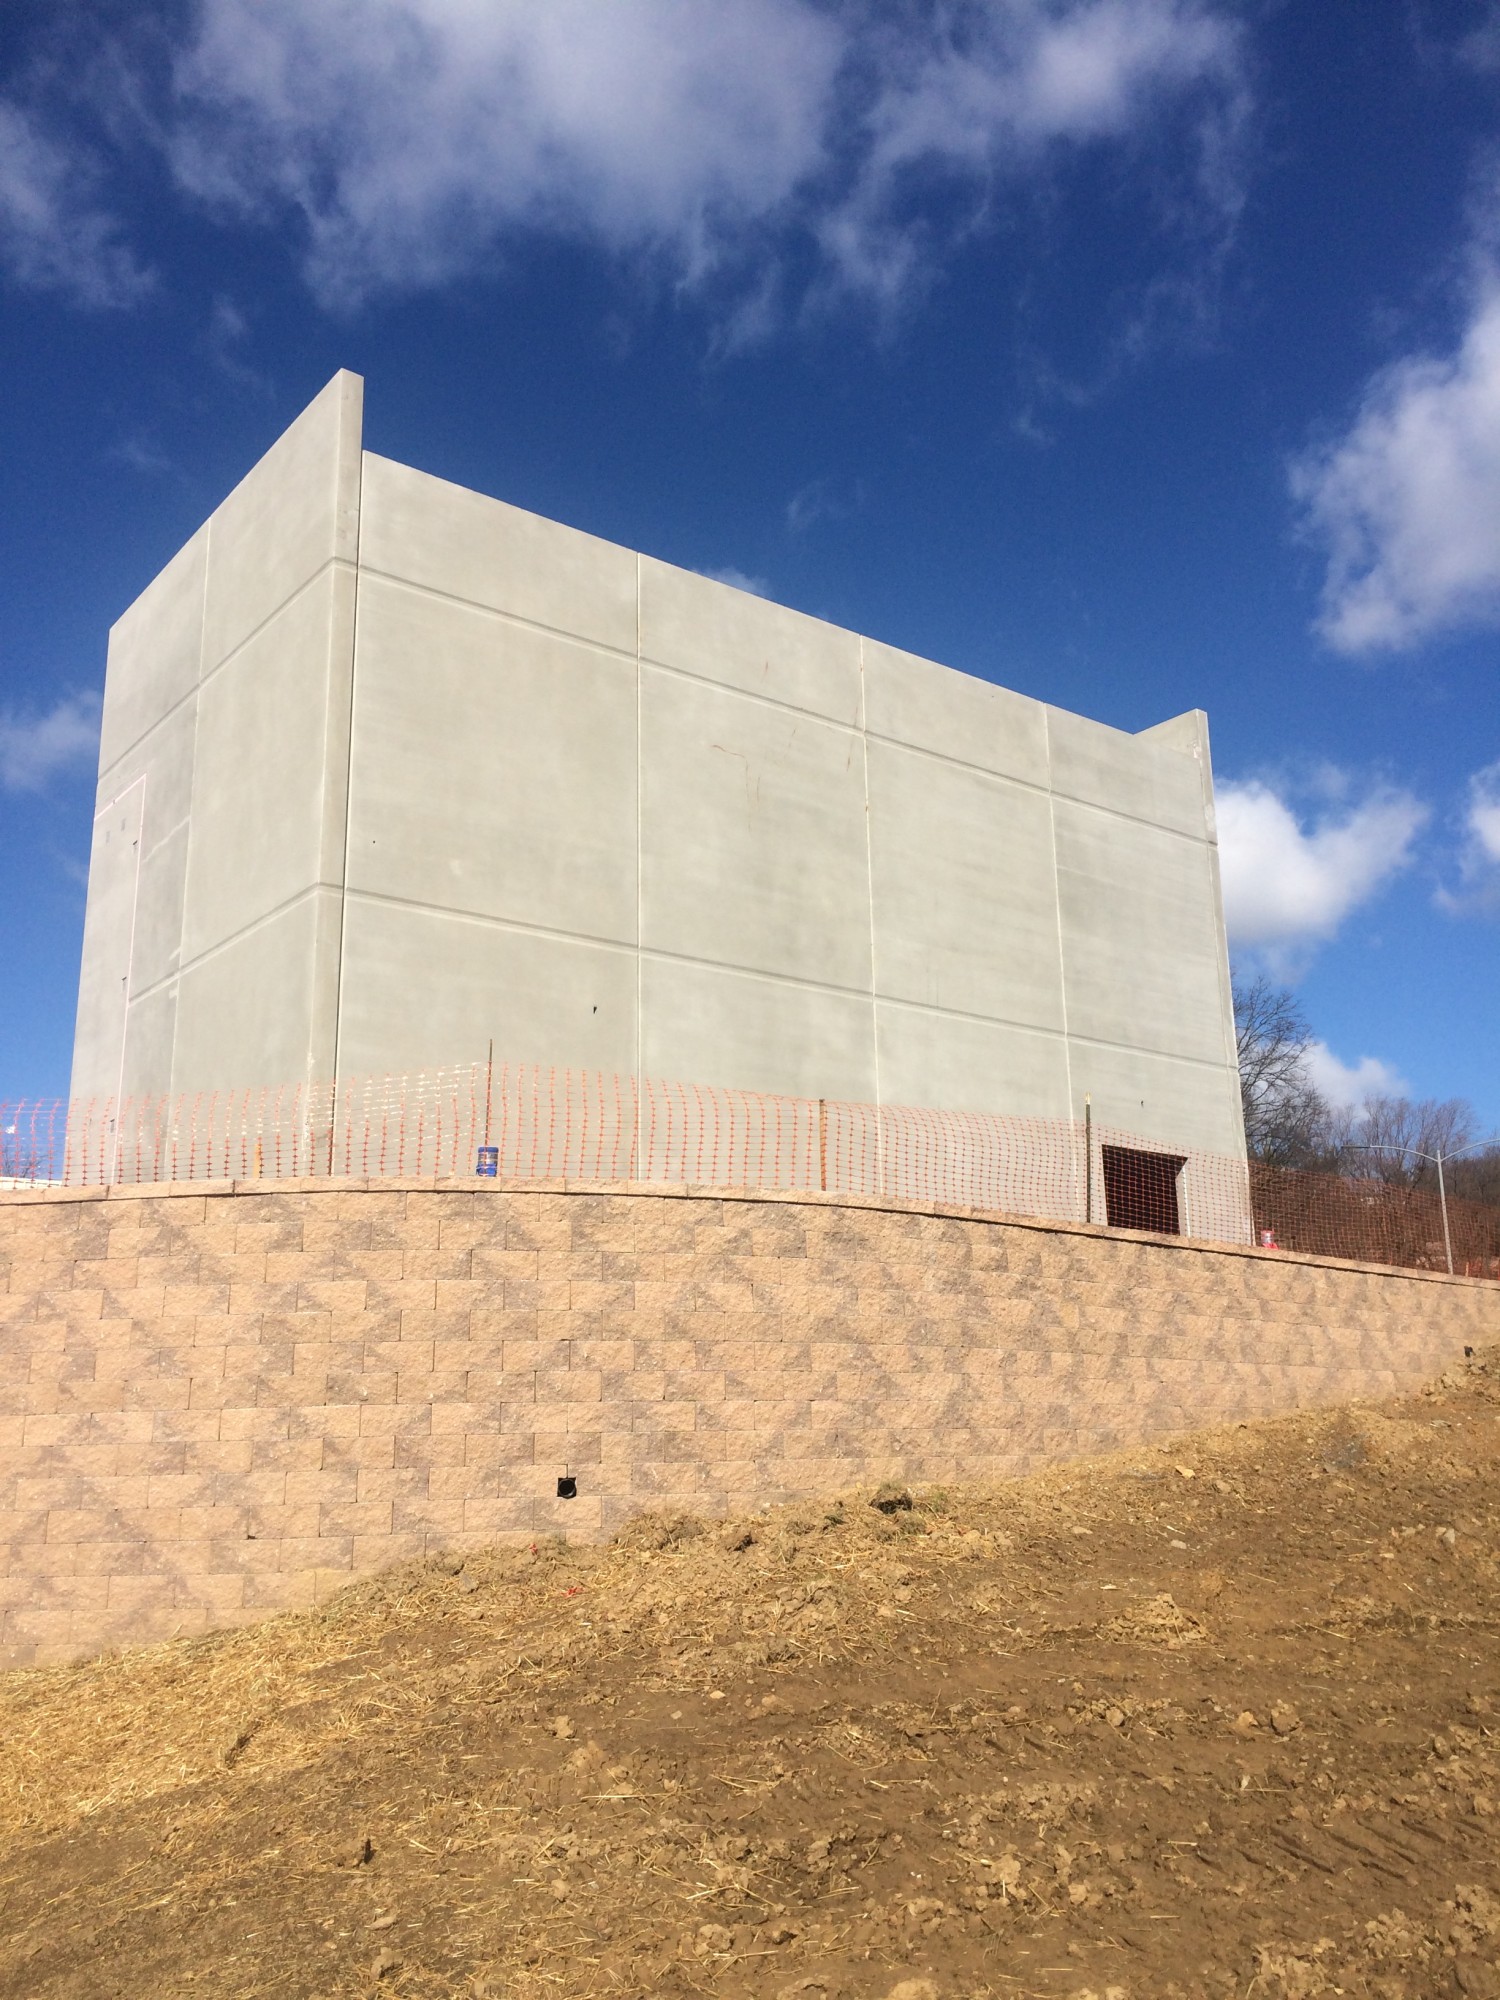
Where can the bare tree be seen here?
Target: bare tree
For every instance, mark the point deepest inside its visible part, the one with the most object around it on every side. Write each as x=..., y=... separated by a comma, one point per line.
x=1396, y=1139
x=1285, y=1116
x=1289, y=1123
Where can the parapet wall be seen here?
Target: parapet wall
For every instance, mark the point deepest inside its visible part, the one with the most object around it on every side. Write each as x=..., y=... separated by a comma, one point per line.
x=222, y=1400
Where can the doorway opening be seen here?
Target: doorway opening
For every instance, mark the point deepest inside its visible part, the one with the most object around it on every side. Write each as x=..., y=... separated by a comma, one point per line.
x=1140, y=1190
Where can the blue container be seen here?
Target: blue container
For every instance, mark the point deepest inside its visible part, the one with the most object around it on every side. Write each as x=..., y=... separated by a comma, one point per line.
x=488, y=1163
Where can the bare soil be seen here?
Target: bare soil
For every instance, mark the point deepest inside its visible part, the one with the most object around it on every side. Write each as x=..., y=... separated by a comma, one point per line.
x=1217, y=1718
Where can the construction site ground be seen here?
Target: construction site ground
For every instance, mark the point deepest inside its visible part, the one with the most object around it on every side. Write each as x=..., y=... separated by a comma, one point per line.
x=1219, y=1717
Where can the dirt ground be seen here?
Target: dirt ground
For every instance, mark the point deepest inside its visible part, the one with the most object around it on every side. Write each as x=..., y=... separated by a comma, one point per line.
x=1216, y=1718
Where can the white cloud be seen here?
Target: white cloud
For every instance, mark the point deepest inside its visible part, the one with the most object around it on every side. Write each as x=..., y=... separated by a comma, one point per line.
x=414, y=134
x=1483, y=817
x=1348, y=1085
x=1477, y=889
x=758, y=586
x=1480, y=48
x=1406, y=502
x=34, y=749
x=416, y=137
x=822, y=500
x=137, y=451
x=55, y=235
x=998, y=87
x=1287, y=885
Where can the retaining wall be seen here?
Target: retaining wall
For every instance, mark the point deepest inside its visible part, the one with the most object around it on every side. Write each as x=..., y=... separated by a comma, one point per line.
x=221, y=1400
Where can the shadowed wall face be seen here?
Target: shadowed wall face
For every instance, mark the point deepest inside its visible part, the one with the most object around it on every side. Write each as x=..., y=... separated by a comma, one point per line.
x=393, y=770
x=216, y=880
x=217, y=1404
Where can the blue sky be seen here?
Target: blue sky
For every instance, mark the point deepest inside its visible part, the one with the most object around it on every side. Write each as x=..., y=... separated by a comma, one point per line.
x=1137, y=354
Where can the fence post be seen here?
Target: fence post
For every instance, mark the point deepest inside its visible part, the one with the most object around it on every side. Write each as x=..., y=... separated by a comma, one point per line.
x=1443, y=1205
x=1088, y=1157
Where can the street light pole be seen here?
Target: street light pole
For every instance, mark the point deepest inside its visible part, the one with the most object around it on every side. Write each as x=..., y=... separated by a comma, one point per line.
x=1437, y=1159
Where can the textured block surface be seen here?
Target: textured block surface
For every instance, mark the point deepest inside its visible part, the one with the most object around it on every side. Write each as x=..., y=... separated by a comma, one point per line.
x=215, y=1405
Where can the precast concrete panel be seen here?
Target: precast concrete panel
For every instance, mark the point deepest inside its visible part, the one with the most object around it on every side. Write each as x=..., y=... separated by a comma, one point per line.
x=911, y=701
x=753, y=848
x=965, y=1064
x=245, y=1010
x=1187, y=732
x=742, y=641
x=494, y=767
x=297, y=511
x=146, y=771
x=150, y=1037
x=1160, y=1098
x=157, y=955
x=1144, y=780
x=426, y=988
x=108, y=938
x=1140, y=948
x=154, y=651
x=261, y=760
x=481, y=551
x=159, y=767
x=965, y=892
x=710, y=1024
x=607, y=813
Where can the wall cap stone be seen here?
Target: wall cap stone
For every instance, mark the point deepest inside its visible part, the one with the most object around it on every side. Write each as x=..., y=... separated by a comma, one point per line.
x=331, y=1184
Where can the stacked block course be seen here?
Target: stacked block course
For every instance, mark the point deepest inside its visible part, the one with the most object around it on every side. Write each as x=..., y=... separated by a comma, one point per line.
x=218, y=1401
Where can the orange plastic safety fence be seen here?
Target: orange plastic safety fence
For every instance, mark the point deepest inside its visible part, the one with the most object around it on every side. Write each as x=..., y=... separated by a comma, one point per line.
x=528, y=1122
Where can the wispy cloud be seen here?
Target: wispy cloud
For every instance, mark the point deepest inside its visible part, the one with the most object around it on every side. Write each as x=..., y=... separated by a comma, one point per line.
x=137, y=451
x=737, y=579
x=56, y=233
x=419, y=139
x=1479, y=49
x=822, y=500
x=1478, y=874
x=36, y=748
x=1348, y=1085
x=1484, y=812
x=415, y=137
x=1406, y=502
x=227, y=340
x=988, y=93
x=1290, y=881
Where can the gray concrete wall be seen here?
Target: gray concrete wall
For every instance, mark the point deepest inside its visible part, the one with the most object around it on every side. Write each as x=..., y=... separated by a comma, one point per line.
x=609, y=813
x=215, y=887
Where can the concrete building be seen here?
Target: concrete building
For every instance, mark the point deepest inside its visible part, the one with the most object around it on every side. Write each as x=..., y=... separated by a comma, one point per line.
x=390, y=769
